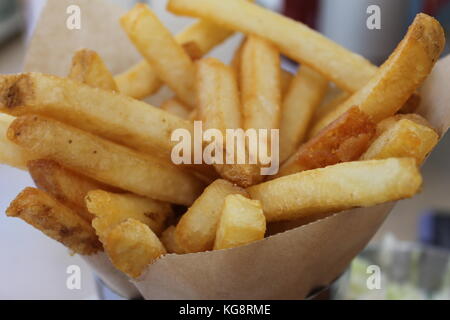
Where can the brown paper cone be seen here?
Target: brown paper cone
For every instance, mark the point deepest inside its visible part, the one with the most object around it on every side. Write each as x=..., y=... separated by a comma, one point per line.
x=288, y=265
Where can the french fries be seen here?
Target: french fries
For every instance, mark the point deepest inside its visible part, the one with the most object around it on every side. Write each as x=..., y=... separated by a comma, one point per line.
x=171, y=63
x=177, y=108
x=304, y=95
x=132, y=246
x=89, y=68
x=348, y=70
x=405, y=138
x=55, y=220
x=242, y=221
x=68, y=187
x=103, y=160
x=336, y=188
x=110, y=209
x=110, y=115
x=346, y=139
x=260, y=85
x=112, y=170
x=10, y=153
x=170, y=242
x=196, y=230
x=141, y=80
x=399, y=77
x=411, y=105
x=219, y=108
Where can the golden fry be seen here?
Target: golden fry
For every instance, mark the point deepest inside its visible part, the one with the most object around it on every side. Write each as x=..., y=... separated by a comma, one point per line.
x=336, y=188
x=104, y=161
x=89, y=68
x=346, y=139
x=304, y=95
x=110, y=115
x=260, y=85
x=196, y=230
x=170, y=242
x=219, y=108
x=177, y=108
x=55, y=220
x=67, y=186
x=242, y=221
x=406, y=138
x=348, y=70
x=10, y=153
x=170, y=61
x=110, y=209
x=132, y=246
x=400, y=76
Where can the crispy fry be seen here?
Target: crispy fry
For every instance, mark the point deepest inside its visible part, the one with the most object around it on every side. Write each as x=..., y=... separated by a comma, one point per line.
x=260, y=85
x=57, y=221
x=242, y=221
x=170, y=242
x=139, y=81
x=286, y=80
x=110, y=209
x=346, y=139
x=103, y=160
x=219, y=109
x=400, y=76
x=177, y=108
x=304, y=95
x=110, y=115
x=348, y=70
x=170, y=61
x=196, y=230
x=412, y=104
x=336, y=188
x=132, y=246
x=89, y=68
x=68, y=187
x=406, y=138
x=10, y=153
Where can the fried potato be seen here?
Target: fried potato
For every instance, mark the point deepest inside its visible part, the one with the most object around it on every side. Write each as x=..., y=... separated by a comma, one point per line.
x=336, y=188
x=55, y=220
x=132, y=246
x=103, y=160
x=141, y=80
x=170, y=61
x=177, y=108
x=67, y=186
x=411, y=105
x=89, y=68
x=302, y=44
x=260, y=85
x=406, y=138
x=110, y=209
x=110, y=115
x=170, y=242
x=346, y=139
x=219, y=108
x=286, y=80
x=400, y=76
x=196, y=230
x=242, y=221
x=304, y=95
x=10, y=153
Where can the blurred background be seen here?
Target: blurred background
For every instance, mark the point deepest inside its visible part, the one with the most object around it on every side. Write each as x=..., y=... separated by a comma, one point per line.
x=413, y=244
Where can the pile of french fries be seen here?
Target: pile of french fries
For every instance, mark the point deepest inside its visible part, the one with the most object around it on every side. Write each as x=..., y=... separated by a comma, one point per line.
x=101, y=158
